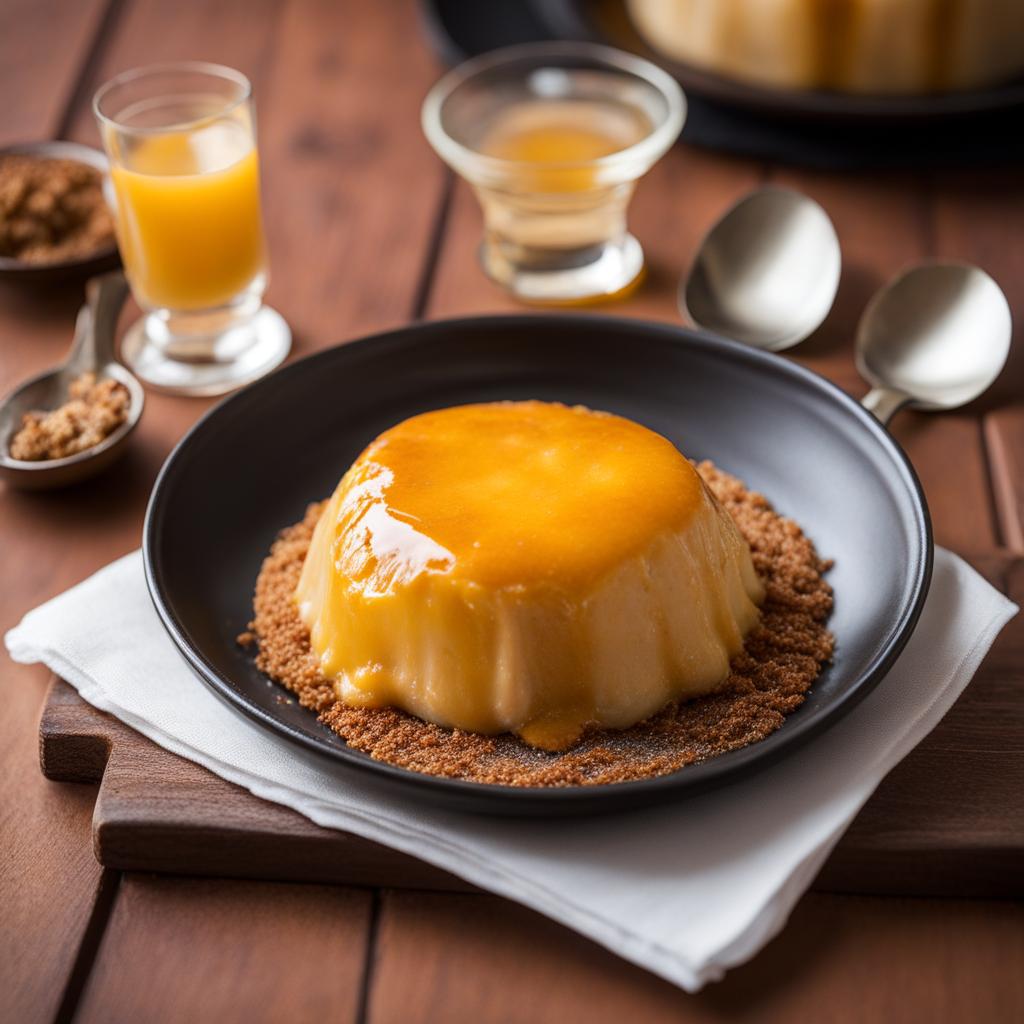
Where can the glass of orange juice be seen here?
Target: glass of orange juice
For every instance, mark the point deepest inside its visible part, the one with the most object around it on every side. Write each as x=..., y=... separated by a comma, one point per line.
x=185, y=174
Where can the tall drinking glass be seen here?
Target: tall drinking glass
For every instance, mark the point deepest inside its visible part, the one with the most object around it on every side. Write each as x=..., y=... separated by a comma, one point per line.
x=183, y=162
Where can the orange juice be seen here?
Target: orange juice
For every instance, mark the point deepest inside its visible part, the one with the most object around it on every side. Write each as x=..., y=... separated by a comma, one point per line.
x=188, y=213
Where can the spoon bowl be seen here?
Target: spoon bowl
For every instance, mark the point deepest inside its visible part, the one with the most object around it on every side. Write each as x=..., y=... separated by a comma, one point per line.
x=767, y=273
x=91, y=351
x=935, y=338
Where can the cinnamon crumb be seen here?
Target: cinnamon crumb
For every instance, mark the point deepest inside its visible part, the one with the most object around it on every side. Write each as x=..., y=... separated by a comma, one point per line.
x=93, y=411
x=51, y=209
x=769, y=679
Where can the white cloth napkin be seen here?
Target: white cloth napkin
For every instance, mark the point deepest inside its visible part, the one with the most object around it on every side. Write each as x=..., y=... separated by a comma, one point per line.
x=685, y=891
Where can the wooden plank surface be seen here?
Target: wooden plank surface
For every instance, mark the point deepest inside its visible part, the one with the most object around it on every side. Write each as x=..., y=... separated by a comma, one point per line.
x=50, y=879
x=1004, y=437
x=979, y=216
x=316, y=64
x=972, y=759
x=53, y=540
x=841, y=959
x=353, y=202
x=156, y=812
x=45, y=48
x=210, y=950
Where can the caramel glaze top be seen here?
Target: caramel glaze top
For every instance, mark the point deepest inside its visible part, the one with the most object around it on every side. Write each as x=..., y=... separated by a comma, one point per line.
x=508, y=495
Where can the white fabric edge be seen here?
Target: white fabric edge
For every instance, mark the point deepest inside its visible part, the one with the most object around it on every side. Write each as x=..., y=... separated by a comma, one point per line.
x=752, y=940
x=765, y=922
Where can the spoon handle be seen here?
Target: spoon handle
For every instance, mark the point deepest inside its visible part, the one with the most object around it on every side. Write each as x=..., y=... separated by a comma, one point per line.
x=97, y=325
x=884, y=403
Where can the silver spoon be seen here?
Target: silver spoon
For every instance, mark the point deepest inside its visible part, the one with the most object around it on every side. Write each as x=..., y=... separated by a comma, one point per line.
x=936, y=337
x=767, y=273
x=92, y=350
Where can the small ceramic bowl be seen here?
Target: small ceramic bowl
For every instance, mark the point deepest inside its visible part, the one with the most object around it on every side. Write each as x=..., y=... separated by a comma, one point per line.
x=103, y=259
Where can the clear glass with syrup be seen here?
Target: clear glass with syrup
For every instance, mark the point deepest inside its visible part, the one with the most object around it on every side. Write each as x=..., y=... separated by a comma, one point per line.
x=552, y=138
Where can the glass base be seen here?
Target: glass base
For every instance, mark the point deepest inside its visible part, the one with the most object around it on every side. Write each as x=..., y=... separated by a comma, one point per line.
x=611, y=270
x=211, y=365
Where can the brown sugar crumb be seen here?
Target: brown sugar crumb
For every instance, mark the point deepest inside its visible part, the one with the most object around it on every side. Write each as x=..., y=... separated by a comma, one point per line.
x=769, y=679
x=51, y=210
x=94, y=410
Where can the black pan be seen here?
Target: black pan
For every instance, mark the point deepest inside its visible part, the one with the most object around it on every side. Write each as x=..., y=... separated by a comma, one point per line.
x=600, y=21
x=251, y=465
x=813, y=127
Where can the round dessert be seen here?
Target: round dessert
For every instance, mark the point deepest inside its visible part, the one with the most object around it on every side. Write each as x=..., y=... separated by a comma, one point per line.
x=768, y=680
x=885, y=47
x=525, y=567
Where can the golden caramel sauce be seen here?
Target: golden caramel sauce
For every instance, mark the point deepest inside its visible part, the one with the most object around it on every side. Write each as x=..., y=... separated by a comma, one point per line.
x=525, y=566
x=558, y=142
x=496, y=488
x=555, y=140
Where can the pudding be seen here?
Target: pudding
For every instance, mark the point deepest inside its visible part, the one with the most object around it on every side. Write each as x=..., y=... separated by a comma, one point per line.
x=882, y=47
x=525, y=567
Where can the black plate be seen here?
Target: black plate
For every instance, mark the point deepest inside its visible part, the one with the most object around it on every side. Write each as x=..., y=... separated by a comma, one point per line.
x=251, y=465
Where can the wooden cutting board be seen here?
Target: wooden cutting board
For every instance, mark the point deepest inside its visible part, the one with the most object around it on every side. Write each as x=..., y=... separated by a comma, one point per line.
x=948, y=820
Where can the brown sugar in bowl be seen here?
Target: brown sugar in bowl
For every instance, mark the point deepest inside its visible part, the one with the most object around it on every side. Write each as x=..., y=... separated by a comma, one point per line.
x=93, y=252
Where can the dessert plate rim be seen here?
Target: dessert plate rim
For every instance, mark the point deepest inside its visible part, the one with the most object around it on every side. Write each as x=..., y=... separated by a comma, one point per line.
x=492, y=798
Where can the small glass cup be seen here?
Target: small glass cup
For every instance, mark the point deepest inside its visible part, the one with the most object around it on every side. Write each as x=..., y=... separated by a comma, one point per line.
x=185, y=180
x=553, y=137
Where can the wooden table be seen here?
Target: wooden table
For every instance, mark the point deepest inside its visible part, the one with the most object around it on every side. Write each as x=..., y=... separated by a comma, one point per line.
x=367, y=231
